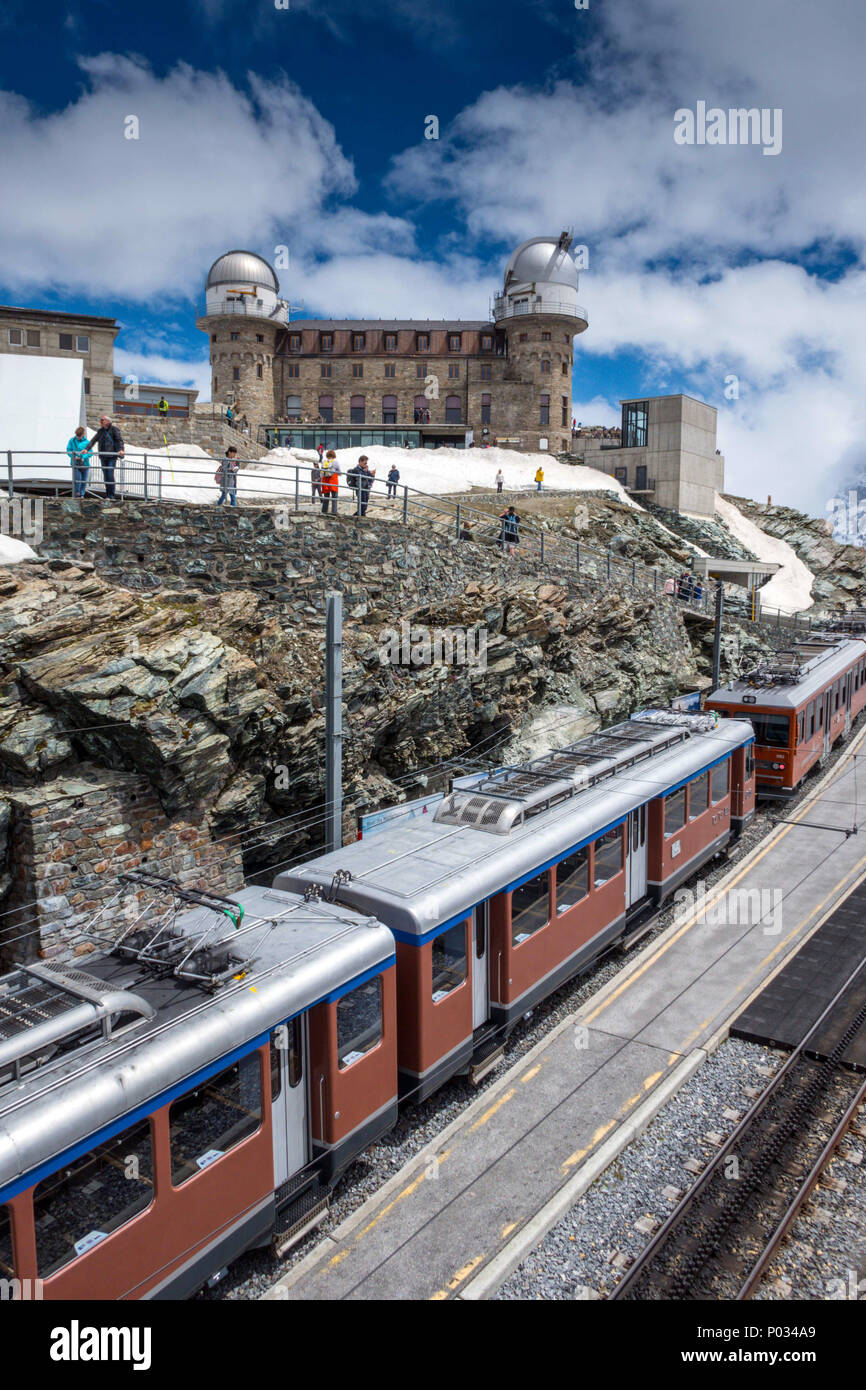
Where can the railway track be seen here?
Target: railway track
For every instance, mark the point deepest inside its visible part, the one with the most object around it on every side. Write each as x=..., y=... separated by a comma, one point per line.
x=719, y=1240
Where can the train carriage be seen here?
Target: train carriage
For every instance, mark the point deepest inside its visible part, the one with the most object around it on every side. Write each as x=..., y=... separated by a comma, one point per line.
x=800, y=702
x=522, y=878
x=192, y=1094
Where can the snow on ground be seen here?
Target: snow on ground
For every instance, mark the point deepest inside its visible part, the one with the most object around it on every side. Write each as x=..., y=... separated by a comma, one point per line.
x=13, y=551
x=791, y=588
x=188, y=471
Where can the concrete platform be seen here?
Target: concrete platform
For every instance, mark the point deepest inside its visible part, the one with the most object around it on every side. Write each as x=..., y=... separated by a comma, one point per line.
x=461, y=1215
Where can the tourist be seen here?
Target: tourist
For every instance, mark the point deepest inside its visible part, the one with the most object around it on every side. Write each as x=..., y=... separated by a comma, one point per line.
x=320, y=450
x=417, y=415
x=500, y=480
x=162, y=407
x=230, y=416
x=109, y=446
x=77, y=449
x=698, y=592
x=393, y=480
x=539, y=477
x=684, y=587
x=465, y=532
x=245, y=424
x=330, y=482
x=226, y=477
x=670, y=587
x=316, y=479
x=365, y=483
x=510, y=536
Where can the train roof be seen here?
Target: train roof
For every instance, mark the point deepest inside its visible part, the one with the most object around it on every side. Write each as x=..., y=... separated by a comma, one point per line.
x=503, y=828
x=91, y=1044
x=790, y=677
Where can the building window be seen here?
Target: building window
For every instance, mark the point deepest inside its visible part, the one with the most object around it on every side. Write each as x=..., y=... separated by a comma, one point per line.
x=634, y=424
x=422, y=342
x=530, y=908
x=572, y=880
x=294, y=342
x=420, y=369
x=453, y=410
x=390, y=342
x=522, y=338
x=67, y=342
x=358, y=410
x=454, y=342
x=357, y=369
x=34, y=337
x=389, y=410
x=544, y=410
x=293, y=407
x=449, y=961
x=390, y=369
x=485, y=408
x=545, y=337
x=565, y=369
x=699, y=794
x=608, y=857
x=485, y=371
x=16, y=338
x=358, y=341
x=326, y=409
x=721, y=780
x=260, y=337
x=217, y=1116
x=236, y=373
x=326, y=342
x=234, y=337
x=565, y=412
x=215, y=384
x=326, y=369
x=213, y=337
x=453, y=370
x=89, y=1198
x=293, y=369
x=82, y=343
x=259, y=370
x=545, y=366
x=486, y=342
x=675, y=811
x=359, y=1022
x=87, y=386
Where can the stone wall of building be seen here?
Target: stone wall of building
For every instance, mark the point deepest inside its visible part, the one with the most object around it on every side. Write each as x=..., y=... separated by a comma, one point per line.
x=98, y=360
x=70, y=838
x=244, y=346
x=539, y=363
x=209, y=432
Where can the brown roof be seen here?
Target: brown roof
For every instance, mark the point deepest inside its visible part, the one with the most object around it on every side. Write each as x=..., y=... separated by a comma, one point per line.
x=52, y=315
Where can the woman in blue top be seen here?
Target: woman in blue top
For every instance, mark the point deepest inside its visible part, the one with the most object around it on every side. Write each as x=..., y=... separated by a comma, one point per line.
x=78, y=451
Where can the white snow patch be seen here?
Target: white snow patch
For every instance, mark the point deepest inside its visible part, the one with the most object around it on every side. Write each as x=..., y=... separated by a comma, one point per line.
x=12, y=552
x=790, y=590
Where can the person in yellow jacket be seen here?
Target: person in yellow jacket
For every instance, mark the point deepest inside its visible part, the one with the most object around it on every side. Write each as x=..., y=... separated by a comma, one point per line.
x=539, y=476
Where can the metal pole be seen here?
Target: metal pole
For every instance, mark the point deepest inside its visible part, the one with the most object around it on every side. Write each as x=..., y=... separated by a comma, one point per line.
x=9, y=472
x=717, y=636
x=405, y=506
x=458, y=521
x=145, y=477
x=577, y=543
x=297, y=488
x=608, y=567
x=542, y=547
x=334, y=722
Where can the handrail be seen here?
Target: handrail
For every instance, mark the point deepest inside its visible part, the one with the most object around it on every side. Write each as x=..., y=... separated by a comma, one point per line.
x=536, y=547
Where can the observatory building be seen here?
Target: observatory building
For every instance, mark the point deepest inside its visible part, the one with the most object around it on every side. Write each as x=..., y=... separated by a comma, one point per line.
x=426, y=381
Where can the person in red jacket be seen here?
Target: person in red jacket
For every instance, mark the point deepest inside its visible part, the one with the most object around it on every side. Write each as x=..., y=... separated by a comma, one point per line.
x=330, y=482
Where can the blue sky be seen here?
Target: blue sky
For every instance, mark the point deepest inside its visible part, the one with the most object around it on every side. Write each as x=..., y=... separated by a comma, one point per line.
x=717, y=270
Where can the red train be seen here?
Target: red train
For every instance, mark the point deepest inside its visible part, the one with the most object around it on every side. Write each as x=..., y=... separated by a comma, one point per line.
x=800, y=702
x=196, y=1090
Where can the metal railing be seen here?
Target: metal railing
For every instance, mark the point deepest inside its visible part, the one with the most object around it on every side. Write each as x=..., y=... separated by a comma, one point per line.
x=458, y=521
x=134, y=475
x=504, y=310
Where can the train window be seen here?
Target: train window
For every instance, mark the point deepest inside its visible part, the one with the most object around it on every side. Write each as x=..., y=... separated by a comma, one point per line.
x=449, y=961
x=721, y=780
x=5, y=1242
x=359, y=1022
x=836, y=685
x=810, y=719
x=699, y=795
x=287, y=1038
x=220, y=1113
x=801, y=719
x=750, y=762
x=77, y=1207
x=608, y=857
x=572, y=879
x=771, y=730
x=821, y=712
x=530, y=907
x=675, y=811
x=277, y=1045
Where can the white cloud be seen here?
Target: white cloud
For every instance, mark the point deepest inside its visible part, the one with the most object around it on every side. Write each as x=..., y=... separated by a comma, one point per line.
x=164, y=371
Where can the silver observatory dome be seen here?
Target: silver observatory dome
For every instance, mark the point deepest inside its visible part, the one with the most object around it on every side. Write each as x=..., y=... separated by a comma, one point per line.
x=542, y=259
x=242, y=267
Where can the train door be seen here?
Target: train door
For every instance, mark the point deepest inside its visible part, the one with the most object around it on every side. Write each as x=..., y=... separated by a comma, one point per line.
x=828, y=715
x=480, y=965
x=636, y=845
x=289, y=1073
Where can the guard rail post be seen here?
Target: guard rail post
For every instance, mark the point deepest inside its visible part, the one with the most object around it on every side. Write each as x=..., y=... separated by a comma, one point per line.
x=405, y=506
x=608, y=566
x=634, y=573
x=10, y=483
x=542, y=547
x=297, y=488
x=457, y=532
x=145, y=477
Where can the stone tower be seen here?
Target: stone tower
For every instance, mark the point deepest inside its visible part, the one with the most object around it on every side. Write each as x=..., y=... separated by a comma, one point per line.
x=539, y=315
x=244, y=318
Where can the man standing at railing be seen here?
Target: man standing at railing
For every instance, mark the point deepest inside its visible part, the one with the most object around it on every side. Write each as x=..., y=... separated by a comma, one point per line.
x=109, y=446
x=226, y=477
x=365, y=482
